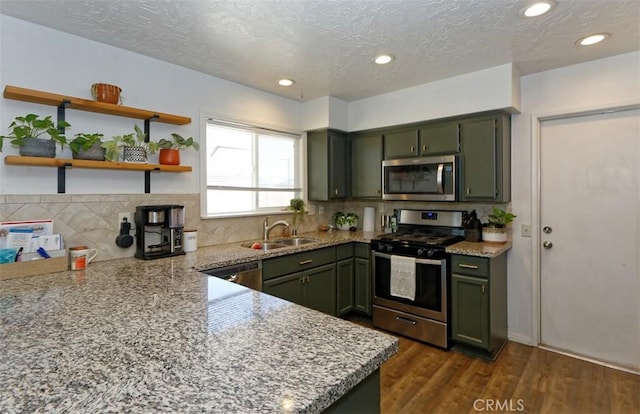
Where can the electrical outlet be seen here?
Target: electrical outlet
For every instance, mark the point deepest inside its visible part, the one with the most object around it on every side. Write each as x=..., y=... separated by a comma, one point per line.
x=525, y=230
x=129, y=217
x=320, y=209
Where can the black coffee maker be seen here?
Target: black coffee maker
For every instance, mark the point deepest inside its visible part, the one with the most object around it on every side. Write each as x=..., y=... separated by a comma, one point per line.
x=159, y=231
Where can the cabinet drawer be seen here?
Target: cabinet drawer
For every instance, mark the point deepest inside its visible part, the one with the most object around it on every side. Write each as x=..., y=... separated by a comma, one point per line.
x=296, y=262
x=470, y=265
x=362, y=250
x=344, y=251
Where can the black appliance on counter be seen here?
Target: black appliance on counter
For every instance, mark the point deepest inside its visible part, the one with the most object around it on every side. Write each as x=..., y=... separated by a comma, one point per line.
x=159, y=231
x=412, y=275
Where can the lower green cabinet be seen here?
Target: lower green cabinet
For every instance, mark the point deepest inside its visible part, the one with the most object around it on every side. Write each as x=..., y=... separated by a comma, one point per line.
x=479, y=304
x=362, y=278
x=314, y=288
x=344, y=270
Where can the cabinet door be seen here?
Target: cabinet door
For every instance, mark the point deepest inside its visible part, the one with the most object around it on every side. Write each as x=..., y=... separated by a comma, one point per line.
x=366, y=166
x=344, y=270
x=470, y=310
x=479, y=168
x=319, y=289
x=287, y=287
x=338, y=150
x=440, y=139
x=402, y=143
x=326, y=164
x=362, y=274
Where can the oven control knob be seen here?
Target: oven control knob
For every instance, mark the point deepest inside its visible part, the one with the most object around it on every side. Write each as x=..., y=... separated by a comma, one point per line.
x=420, y=251
x=429, y=252
x=389, y=247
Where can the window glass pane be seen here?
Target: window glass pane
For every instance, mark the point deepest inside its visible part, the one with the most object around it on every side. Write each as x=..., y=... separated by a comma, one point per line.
x=249, y=169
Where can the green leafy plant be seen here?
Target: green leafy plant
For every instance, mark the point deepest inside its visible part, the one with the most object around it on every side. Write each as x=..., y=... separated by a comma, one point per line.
x=32, y=126
x=137, y=139
x=178, y=142
x=84, y=141
x=341, y=218
x=500, y=218
x=298, y=207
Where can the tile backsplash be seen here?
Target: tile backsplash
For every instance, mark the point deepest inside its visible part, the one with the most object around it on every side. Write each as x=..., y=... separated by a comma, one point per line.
x=92, y=220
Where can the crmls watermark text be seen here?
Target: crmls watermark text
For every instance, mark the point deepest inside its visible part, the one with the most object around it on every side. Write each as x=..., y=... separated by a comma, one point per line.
x=490, y=404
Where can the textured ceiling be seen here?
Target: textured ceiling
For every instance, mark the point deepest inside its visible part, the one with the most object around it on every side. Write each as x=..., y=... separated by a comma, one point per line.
x=327, y=46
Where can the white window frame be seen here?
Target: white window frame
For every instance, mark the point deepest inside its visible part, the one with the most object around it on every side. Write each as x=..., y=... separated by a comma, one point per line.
x=301, y=152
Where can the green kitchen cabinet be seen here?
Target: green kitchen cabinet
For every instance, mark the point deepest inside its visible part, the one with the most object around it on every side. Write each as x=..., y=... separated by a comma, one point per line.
x=485, y=165
x=307, y=278
x=440, y=138
x=344, y=275
x=314, y=288
x=362, y=278
x=327, y=169
x=479, y=304
x=401, y=143
x=366, y=165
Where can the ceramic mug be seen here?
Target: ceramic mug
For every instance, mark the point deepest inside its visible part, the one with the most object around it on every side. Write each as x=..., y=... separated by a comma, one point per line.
x=81, y=256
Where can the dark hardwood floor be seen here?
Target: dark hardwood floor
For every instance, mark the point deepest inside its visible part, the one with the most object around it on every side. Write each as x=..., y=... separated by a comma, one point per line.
x=424, y=379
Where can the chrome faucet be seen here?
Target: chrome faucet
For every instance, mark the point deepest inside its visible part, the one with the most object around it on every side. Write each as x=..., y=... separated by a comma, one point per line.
x=267, y=227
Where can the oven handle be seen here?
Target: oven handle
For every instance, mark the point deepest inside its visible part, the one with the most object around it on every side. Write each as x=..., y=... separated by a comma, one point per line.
x=418, y=261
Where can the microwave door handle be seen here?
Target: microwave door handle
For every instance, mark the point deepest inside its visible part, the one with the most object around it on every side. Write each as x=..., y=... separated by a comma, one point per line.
x=440, y=180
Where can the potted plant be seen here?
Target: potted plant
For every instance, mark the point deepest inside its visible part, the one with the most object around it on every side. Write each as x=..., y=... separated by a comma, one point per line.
x=345, y=221
x=87, y=147
x=298, y=207
x=496, y=229
x=26, y=133
x=132, y=147
x=170, y=149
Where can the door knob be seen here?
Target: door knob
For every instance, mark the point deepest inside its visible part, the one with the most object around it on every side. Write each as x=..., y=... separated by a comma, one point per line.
x=547, y=245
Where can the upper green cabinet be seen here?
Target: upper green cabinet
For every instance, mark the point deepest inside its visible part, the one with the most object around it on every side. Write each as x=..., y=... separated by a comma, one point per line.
x=366, y=165
x=401, y=143
x=485, y=167
x=441, y=138
x=327, y=168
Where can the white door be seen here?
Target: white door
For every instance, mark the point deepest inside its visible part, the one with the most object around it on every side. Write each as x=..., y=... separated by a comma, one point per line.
x=590, y=231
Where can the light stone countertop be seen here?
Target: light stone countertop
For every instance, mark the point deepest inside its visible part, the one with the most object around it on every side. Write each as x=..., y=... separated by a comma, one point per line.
x=481, y=249
x=146, y=336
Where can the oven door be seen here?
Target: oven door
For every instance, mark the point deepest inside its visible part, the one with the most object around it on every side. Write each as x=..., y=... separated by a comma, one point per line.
x=431, y=287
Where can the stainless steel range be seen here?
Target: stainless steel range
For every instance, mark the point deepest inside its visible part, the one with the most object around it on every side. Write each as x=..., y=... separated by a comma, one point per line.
x=411, y=275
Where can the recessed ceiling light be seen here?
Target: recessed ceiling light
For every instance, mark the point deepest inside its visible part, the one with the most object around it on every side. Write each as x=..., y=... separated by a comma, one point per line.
x=537, y=9
x=286, y=82
x=592, y=39
x=384, y=59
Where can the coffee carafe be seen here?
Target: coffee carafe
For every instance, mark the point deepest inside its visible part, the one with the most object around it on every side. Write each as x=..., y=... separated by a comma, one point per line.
x=159, y=231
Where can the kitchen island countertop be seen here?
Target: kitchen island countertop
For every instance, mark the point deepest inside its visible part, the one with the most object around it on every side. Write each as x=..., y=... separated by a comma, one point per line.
x=146, y=336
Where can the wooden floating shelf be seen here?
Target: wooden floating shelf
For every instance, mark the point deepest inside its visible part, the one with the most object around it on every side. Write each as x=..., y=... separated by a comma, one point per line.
x=101, y=165
x=46, y=98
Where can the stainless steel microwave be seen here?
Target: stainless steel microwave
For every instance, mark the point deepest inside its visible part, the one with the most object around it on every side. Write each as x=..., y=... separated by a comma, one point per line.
x=420, y=178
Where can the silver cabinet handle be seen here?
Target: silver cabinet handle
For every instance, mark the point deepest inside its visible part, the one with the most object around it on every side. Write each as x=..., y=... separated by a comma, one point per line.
x=306, y=262
x=412, y=149
x=466, y=266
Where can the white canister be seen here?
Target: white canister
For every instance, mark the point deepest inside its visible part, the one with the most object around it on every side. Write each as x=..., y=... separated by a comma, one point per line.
x=81, y=256
x=190, y=240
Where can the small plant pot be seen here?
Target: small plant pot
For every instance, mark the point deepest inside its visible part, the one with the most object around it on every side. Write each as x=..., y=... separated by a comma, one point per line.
x=169, y=156
x=494, y=234
x=347, y=226
x=94, y=152
x=36, y=147
x=136, y=155
x=103, y=92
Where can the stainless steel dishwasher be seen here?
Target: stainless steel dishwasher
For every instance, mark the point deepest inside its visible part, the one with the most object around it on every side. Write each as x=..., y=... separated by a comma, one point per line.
x=245, y=274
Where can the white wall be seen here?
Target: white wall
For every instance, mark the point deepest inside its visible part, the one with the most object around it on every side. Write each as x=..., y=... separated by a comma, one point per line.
x=485, y=90
x=68, y=65
x=593, y=85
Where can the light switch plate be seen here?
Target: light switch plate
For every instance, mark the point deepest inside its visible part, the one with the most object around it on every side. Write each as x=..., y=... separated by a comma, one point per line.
x=525, y=230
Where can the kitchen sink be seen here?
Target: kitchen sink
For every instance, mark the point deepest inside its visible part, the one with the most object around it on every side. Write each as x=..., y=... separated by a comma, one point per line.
x=296, y=241
x=265, y=245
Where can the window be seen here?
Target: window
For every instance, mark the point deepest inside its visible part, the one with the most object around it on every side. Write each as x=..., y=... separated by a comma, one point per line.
x=249, y=169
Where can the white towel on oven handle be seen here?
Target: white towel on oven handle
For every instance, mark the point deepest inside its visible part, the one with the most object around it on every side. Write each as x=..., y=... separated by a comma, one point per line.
x=403, y=277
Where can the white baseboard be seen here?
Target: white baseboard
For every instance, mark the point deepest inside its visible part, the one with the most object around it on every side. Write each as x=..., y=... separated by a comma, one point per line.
x=521, y=339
